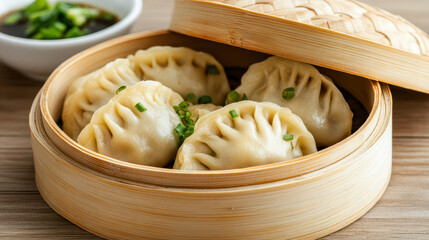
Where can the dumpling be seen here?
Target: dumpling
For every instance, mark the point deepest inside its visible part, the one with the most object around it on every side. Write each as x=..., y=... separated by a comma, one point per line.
x=199, y=110
x=183, y=70
x=317, y=101
x=245, y=134
x=92, y=91
x=136, y=126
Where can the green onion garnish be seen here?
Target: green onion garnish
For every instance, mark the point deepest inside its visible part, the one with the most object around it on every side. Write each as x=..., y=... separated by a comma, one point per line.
x=204, y=100
x=288, y=93
x=180, y=129
x=107, y=17
x=233, y=114
x=191, y=97
x=140, y=107
x=79, y=16
x=212, y=69
x=184, y=105
x=186, y=127
x=291, y=145
x=36, y=6
x=12, y=19
x=288, y=137
x=74, y=32
x=232, y=96
x=120, y=89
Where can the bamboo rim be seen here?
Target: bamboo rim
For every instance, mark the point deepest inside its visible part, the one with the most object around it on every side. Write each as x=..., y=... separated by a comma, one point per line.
x=202, y=179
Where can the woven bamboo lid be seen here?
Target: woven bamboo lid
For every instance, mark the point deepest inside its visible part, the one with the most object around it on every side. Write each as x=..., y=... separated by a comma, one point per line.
x=344, y=35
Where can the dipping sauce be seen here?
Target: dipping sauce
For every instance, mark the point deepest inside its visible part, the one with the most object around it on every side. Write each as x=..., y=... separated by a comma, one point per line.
x=41, y=20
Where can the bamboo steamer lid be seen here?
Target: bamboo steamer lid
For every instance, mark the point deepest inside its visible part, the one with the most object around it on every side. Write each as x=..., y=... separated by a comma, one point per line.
x=343, y=35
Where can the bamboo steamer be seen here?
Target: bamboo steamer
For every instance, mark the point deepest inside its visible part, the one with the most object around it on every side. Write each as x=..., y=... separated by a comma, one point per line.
x=308, y=197
x=305, y=198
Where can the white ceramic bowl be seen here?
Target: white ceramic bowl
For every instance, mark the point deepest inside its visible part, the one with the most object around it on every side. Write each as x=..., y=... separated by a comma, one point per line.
x=38, y=58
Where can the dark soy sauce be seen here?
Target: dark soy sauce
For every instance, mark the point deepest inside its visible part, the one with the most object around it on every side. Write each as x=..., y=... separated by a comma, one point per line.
x=16, y=30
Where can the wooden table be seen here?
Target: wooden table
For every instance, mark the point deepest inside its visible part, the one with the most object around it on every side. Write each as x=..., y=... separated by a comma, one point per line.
x=403, y=212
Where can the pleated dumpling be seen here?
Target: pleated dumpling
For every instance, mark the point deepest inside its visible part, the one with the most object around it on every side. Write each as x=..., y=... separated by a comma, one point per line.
x=304, y=90
x=136, y=126
x=92, y=91
x=245, y=134
x=183, y=70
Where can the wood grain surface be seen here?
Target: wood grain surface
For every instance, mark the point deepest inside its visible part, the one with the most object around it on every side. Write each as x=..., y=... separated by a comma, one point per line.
x=402, y=213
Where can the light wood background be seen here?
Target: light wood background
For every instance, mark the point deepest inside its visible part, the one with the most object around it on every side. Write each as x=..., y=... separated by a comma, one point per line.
x=402, y=213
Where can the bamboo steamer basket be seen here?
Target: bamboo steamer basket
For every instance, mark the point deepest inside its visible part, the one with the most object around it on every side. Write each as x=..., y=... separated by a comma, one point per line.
x=305, y=198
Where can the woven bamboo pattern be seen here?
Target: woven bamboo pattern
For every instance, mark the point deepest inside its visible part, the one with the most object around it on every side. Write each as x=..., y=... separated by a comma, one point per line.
x=346, y=16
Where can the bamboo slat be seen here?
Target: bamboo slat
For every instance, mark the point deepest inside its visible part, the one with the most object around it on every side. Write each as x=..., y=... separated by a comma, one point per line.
x=344, y=35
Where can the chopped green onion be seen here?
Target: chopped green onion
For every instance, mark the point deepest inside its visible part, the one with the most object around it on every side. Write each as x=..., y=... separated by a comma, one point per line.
x=184, y=104
x=74, y=32
x=191, y=97
x=13, y=19
x=180, y=129
x=232, y=96
x=233, y=114
x=212, y=69
x=140, y=107
x=244, y=97
x=64, y=6
x=36, y=6
x=107, y=17
x=204, y=100
x=288, y=93
x=189, y=131
x=32, y=28
x=291, y=145
x=58, y=26
x=120, y=89
x=79, y=16
x=44, y=16
x=186, y=127
x=288, y=137
x=54, y=31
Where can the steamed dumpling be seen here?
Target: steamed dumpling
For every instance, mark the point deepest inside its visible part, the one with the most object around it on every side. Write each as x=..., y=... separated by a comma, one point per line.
x=183, y=70
x=317, y=101
x=122, y=131
x=254, y=137
x=92, y=91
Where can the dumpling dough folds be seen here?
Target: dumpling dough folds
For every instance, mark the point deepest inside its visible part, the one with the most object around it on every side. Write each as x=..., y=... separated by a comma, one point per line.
x=199, y=110
x=92, y=91
x=317, y=101
x=183, y=70
x=119, y=130
x=253, y=138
